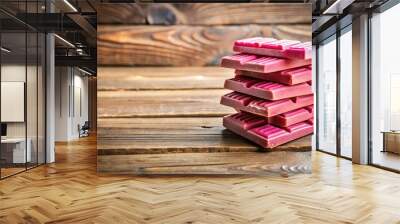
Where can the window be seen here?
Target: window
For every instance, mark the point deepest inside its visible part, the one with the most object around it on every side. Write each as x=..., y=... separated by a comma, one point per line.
x=346, y=75
x=385, y=89
x=327, y=96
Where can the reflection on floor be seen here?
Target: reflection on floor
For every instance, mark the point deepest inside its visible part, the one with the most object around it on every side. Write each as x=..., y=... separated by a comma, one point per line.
x=14, y=169
x=387, y=159
x=70, y=191
x=10, y=171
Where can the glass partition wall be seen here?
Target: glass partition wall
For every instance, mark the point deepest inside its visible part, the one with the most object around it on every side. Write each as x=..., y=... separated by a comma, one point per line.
x=22, y=98
x=333, y=101
x=326, y=100
x=345, y=92
x=385, y=89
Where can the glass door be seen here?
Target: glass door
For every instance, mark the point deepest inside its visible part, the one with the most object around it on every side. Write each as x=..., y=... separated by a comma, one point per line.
x=326, y=96
x=346, y=92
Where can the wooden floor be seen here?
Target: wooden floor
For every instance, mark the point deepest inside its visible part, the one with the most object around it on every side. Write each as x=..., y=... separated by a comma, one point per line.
x=70, y=191
x=386, y=159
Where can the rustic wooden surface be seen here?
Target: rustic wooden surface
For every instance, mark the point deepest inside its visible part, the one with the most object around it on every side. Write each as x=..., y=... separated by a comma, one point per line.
x=162, y=103
x=162, y=78
x=203, y=13
x=125, y=136
x=280, y=162
x=181, y=45
x=163, y=115
x=170, y=122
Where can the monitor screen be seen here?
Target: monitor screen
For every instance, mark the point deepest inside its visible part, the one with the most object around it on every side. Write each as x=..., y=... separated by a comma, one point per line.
x=3, y=129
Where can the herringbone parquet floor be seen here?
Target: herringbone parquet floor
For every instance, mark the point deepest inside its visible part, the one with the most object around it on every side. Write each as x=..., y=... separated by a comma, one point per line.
x=70, y=191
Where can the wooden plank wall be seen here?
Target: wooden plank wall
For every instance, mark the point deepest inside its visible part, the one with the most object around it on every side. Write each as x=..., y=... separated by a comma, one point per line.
x=191, y=34
x=159, y=89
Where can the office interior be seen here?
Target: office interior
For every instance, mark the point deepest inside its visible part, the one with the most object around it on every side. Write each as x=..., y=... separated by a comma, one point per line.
x=49, y=122
x=48, y=91
x=357, y=79
x=30, y=77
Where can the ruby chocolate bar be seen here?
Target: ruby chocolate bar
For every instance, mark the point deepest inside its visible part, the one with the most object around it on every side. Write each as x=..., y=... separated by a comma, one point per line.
x=291, y=49
x=261, y=63
x=288, y=77
x=262, y=107
x=265, y=89
x=266, y=135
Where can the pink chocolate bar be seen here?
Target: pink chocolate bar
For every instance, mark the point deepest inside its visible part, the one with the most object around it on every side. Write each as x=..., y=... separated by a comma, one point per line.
x=289, y=77
x=292, y=117
x=262, y=107
x=291, y=49
x=265, y=89
x=262, y=64
x=266, y=135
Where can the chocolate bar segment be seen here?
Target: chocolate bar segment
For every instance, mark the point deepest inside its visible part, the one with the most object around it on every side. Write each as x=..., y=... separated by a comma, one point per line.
x=288, y=77
x=263, y=134
x=262, y=64
x=292, y=117
x=290, y=49
x=266, y=89
x=262, y=107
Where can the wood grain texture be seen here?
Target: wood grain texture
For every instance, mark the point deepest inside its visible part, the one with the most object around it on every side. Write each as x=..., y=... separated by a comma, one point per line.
x=126, y=136
x=71, y=191
x=181, y=45
x=204, y=14
x=280, y=162
x=162, y=78
x=122, y=13
x=153, y=118
x=163, y=103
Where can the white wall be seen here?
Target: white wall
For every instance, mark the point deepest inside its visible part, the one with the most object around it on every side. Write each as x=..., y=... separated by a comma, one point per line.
x=14, y=73
x=70, y=84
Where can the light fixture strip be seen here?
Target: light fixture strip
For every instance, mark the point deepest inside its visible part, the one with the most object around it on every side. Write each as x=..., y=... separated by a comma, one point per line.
x=331, y=6
x=86, y=72
x=70, y=5
x=5, y=50
x=64, y=40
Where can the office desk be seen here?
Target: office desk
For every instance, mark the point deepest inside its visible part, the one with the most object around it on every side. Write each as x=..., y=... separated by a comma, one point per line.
x=13, y=150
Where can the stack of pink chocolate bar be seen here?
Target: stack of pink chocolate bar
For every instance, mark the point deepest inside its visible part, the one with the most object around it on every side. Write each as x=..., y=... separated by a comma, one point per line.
x=271, y=90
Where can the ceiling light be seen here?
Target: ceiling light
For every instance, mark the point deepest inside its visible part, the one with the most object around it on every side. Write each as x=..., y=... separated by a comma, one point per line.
x=5, y=50
x=84, y=71
x=65, y=41
x=337, y=7
x=70, y=5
